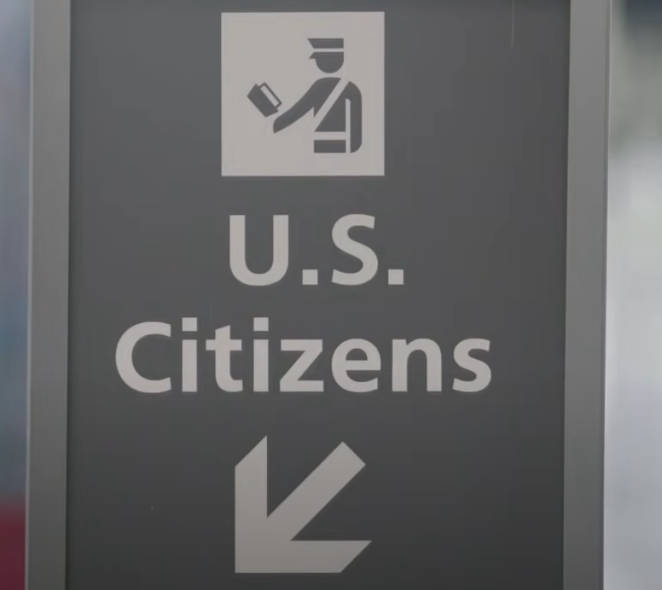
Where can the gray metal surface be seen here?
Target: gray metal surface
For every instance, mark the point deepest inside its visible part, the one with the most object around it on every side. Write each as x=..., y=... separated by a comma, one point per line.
x=586, y=284
x=48, y=301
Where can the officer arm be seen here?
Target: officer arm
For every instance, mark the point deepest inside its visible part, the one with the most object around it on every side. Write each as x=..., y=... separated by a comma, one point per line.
x=313, y=99
x=356, y=117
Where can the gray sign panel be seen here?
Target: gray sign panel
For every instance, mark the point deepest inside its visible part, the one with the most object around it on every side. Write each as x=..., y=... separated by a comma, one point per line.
x=319, y=275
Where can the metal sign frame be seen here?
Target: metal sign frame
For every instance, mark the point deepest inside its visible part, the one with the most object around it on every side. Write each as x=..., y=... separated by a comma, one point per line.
x=585, y=296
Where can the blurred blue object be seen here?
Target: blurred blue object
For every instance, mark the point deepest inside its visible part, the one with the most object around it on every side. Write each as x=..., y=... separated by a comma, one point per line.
x=14, y=118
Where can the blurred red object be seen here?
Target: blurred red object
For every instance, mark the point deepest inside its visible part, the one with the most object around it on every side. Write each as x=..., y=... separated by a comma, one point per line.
x=12, y=550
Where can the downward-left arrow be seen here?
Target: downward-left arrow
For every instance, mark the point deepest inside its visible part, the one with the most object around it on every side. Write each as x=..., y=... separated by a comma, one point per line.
x=264, y=542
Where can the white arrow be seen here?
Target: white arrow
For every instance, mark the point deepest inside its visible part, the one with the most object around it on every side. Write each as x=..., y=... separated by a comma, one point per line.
x=264, y=542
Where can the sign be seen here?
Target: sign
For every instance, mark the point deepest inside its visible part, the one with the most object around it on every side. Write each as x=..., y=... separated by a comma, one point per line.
x=317, y=295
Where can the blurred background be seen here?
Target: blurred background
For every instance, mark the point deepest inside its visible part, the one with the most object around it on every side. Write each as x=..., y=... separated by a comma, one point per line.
x=633, y=503
x=14, y=122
